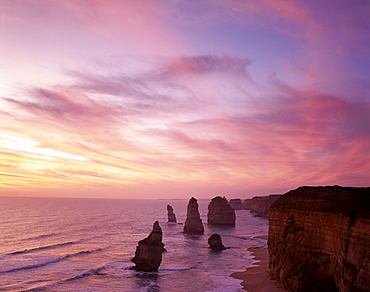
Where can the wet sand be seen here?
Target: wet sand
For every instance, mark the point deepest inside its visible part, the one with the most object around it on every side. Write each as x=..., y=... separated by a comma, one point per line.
x=256, y=278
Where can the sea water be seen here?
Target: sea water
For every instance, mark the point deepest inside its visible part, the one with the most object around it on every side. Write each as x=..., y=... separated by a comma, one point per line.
x=64, y=244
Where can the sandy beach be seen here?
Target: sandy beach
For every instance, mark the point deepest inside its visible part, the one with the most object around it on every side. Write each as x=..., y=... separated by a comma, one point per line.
x=256, y=278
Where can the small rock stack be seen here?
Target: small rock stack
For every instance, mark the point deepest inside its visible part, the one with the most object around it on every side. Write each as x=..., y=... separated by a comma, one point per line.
x=171, y=216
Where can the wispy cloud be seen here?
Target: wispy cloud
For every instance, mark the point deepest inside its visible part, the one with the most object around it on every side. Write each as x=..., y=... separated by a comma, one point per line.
x=157, y=126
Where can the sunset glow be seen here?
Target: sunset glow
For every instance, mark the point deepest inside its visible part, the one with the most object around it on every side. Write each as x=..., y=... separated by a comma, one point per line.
x=172, y=99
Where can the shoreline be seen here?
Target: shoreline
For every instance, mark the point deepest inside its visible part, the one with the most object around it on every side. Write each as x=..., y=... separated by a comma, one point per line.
x=256, y=278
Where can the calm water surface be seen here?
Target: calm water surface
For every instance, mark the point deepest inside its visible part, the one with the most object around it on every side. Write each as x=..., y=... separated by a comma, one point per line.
x=57, y=244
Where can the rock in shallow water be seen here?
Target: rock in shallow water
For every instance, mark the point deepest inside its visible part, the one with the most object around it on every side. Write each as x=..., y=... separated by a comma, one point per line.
x=215, y=242
x=171, y=216
x=148, y=254
x=220, y=212
x=193, y=223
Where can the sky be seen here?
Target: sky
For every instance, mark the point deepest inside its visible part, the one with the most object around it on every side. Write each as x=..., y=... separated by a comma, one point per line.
x=179, y=98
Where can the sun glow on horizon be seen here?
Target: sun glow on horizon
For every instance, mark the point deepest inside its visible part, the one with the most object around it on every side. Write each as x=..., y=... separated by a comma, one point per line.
x=127, y=99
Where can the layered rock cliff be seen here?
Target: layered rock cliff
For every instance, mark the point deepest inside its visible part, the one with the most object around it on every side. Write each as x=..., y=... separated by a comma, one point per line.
x=260, y=205
x=193, y=223
x=148, y=254
x=319, y=239
x=220, y=212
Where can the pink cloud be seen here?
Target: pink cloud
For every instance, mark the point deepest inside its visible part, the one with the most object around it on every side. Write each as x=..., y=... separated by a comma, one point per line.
x=153, y=128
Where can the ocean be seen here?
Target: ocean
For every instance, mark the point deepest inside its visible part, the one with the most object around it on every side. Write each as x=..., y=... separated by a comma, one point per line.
x=65, y=244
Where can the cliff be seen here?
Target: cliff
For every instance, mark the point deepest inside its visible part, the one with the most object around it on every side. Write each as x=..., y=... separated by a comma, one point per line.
x=193, y=223
x=261, y=205
x=220, y=212
x=319, y=239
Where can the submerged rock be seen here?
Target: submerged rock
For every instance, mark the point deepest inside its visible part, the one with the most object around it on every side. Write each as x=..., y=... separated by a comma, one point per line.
x=220, y=212
x=193, y=223
x=171, y=216
x=215, y=242
x=148, y=254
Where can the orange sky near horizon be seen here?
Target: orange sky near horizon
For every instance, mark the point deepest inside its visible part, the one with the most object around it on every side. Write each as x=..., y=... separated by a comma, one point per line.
x=173, y=99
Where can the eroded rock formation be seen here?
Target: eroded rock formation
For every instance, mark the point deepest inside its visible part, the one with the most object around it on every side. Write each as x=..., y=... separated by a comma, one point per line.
x=220, y=212
x=236, y=204
x=260, y=205
x=193, y=223
x=247, y=204
x=148, y=254
x=319, y=239
x=215, y=242
x=171, y=216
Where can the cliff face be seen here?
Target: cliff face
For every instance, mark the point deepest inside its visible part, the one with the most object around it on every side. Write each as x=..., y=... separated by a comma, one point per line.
x=319, y=239
x=261, y=205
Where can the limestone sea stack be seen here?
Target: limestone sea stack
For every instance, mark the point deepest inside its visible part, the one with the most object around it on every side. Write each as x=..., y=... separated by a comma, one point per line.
x=193, y=223
x=171, y=216
x=319, y=239
x=220, y=212
x=148, y=254
x=236, y=204
x=215, y=242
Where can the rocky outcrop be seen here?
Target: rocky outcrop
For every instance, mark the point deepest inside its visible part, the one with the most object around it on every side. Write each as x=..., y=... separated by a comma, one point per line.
x=319, y=239
x=220, y=212
x=148, y=254
x=215, y=242
x=260, y=205
x=171, y=216
x=193, y=223
x=236, y=204
x=247, y=204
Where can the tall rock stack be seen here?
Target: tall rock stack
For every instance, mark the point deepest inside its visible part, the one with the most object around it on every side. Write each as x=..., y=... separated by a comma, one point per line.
x=148, y=254
x=220, y=212
x=193, y=223
x=319, y=239
x=171, y=216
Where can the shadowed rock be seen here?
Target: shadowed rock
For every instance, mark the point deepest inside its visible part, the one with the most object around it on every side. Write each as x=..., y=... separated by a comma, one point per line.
x=215, y=242
x=236, y=204
x=319, y=239
x=247, y=204
x=260, y=205
x=171, y=216
x=193, y=223
x=148, y=254
x=220, y=212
